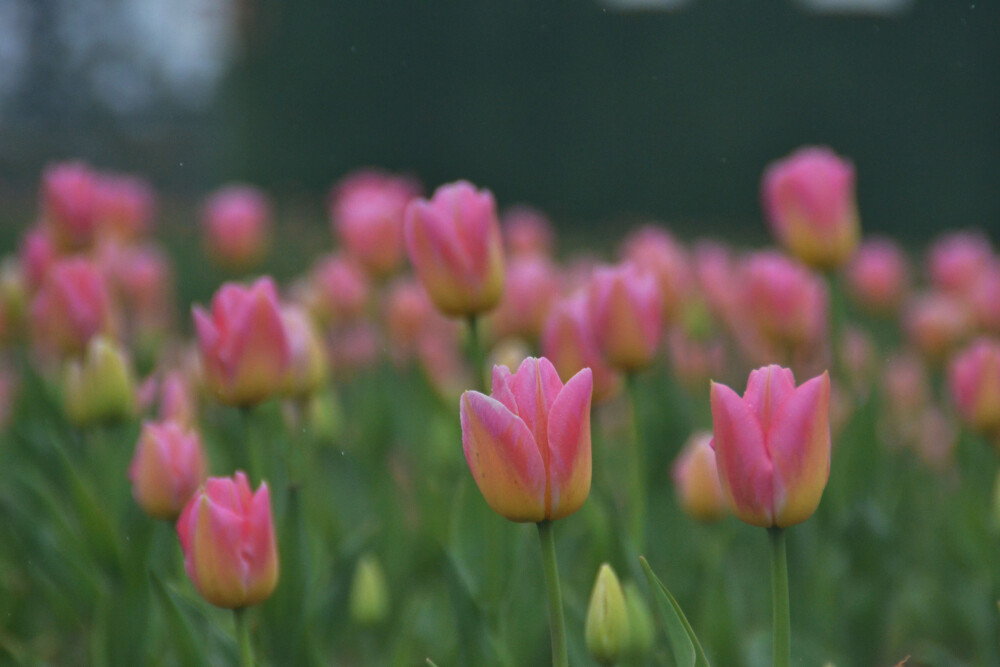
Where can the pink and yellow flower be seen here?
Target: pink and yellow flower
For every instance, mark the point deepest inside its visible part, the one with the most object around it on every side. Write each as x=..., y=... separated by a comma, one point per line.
x=168, y=467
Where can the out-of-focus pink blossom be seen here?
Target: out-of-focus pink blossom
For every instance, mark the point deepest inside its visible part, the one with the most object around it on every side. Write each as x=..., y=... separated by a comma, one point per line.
x=125, y=206
x=308, y=367
x=236, y=224
x=72, y=306
x=568, y=340
x=532, y=285
x=339, y=289
x=142, y=280
x=974, y=380
x=935, y=323
x=655, y=250
x=956, y=261
x=878, y=276
x=695, y=362
x=696, y=478
x=905, y=384
x=716, y=273
x=354, y=347
x=627, y=316
x=168, y=467
x=527, y=231
x=36, y=254
x=810, y=203
x=367, y=209
x=69, y=204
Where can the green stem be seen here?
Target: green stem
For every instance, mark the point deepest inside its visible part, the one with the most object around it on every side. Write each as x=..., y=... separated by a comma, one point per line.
x=637, y=466
x=782, y=645
x=477, y=353
x=557, y=624
x=243, y=637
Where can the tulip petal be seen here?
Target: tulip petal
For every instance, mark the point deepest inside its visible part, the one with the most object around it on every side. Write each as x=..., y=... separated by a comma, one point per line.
x=213, y=563
x=536, y=385
x=745, y=468
x=260, y=551
x=503, y=458
x=800, y=450
x=569, y=446
x=501, y=390
x=767, y=389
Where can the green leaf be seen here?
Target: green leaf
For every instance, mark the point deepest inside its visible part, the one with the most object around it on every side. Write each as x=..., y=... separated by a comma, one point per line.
x=683, y=642
x=181, y=635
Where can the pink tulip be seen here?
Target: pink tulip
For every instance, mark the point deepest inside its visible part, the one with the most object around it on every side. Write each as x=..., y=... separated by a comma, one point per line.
x=696, y=479
x=72, y=306
x=935, y=323
x=532, y=286
x=526, y=231
x=809, y=201
x=177, y=402
x=36, y=254
x=406, y=311
x=974, y=379
x=784, y=304
x=168, y=467
x=125, y=206
x=716, y=273
x=244, y=347
x=905, y=385
x=236, y=224
x=340, y=289
x=69, y=204
x=695, y=362
x=528, y=443
x=354, y=347
x=626, y=312
x=773, y=446
x=568, y=339
x=142, y=279
x=878, y=276
x=455, y=247
x=308, y=367
x=367, y=209
x=956, y=261
x=227, y=535
x=983, y=300
x=655, y=250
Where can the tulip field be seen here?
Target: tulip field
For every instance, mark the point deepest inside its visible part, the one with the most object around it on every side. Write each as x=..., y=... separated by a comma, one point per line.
x=422, y=431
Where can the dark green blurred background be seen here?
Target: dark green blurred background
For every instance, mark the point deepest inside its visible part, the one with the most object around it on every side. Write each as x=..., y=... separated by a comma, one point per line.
x=588, y=112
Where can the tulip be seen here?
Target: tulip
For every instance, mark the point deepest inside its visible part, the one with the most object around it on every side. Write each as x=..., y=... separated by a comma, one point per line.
x=956, y=261
x=568, y=339
x=142, y=279
x=72, y=306
x=340, y=289
x=625, y=309
x=236, y=224
x=369, y=601
x=125, y=205
x=69, y=204
x=406, y=313
x=526, y=231
x=696, y=479
x=354, y=347
x=245, y=351
x=227, y=535
x=168, y=467
x=532, y=286
x=641, y=631
x=772, y=446
x=809, y=201
x=528, y=443
x=607, y=622
x=101, y=387
x=36, y=254
x=878, y=276
x=935, y=323
x=655, y=250
x=308, y=366
x=974, y=379
x=717, y=279
x=367, y=209
x=455, y=247
x=984, y=300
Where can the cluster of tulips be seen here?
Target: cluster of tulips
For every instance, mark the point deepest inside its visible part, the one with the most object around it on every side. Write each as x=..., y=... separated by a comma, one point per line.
x=490, y=333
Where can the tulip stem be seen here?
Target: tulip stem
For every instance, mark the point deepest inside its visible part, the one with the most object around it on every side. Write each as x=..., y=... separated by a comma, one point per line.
x=477, y=354
x=782, y=644
x=637, y=466
x=557, y=623
x=243, y=637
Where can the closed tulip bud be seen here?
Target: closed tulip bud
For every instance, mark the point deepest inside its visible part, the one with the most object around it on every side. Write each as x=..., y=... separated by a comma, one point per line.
x=655, y=250
x=568, y=339
x=367, y=209
x=878, y=276
x=227, y=535
x=532, y=286
x=339, y=290
x=810, y=203
x=641, y=630
x=245, y=351
x=236, y=223
x=625, y=309
x=369, y=601
x=455, y=247
x=526, y=231
x=69, y=204
x=935, y=323
x=974, y=380
x=607, y=624
x=528, y=443
x=956, y=261
x=784, y=303
x=772, y=446
x=100, y=387
x=168, y=467
x=696, y=479
x=125, y=206
x=308, y=365
x=72, y=306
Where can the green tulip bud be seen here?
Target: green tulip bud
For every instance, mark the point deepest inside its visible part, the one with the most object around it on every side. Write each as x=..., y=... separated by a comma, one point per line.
x=369, y=592
x=640, y=622
x=100, y=388
x=607, y=629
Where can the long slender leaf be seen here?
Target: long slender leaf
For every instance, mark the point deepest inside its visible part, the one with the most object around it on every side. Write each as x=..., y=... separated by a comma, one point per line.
x=683, y=642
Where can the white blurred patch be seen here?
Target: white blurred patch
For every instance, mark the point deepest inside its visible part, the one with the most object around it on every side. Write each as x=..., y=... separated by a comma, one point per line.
x=644, y=5
x=15, y=24
x=877, y=7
